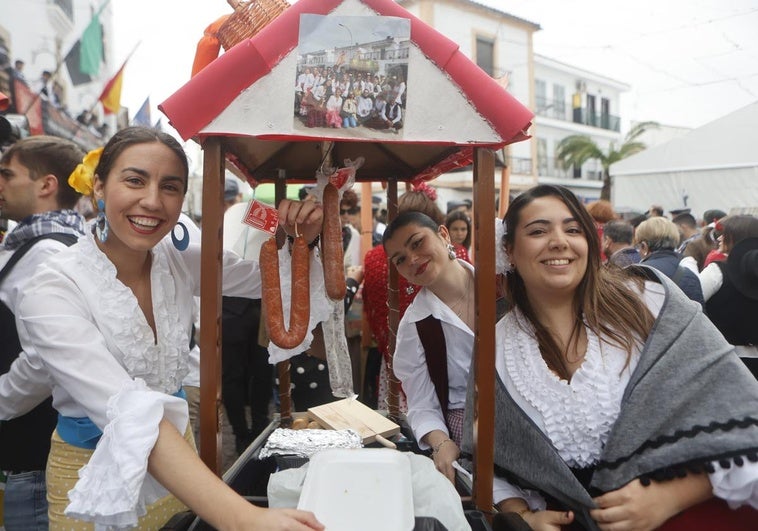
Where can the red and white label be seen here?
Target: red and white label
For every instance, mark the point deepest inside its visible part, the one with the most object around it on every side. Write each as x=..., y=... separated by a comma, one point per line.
x=262, y=217
x=340, y=177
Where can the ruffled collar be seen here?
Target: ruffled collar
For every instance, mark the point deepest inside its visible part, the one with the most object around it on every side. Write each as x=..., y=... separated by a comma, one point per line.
x=162, y=364
x=577, y=416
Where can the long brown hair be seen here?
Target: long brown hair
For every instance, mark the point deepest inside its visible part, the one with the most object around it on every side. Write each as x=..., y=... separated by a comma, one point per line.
x=605, y=297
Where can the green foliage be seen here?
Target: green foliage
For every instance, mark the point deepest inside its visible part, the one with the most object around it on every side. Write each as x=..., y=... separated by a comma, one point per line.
x=575, y=150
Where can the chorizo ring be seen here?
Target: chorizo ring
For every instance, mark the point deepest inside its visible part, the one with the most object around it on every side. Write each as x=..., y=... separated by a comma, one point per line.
x=272, y=293
x=331, y=245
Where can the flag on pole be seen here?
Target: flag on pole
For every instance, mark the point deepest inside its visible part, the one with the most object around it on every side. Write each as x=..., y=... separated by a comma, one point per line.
x=91, y=48
x=143, y=115
x=111, y=95
x=73, y=62
x=84, y=58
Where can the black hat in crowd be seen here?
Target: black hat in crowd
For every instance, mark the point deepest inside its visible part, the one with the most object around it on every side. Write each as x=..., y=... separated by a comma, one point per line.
x=231, y=189
x=709, y=216
x=457, y=203
x=678, y=211
x=742, y=267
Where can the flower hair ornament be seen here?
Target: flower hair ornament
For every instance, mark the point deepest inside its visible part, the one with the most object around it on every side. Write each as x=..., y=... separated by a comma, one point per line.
x=425, y=189
x=83, y=177
x=502, y=260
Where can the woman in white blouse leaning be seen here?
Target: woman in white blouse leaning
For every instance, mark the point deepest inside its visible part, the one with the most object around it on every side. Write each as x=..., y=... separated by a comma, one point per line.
x=109, y=321
x=618, y=404
x=435, y=340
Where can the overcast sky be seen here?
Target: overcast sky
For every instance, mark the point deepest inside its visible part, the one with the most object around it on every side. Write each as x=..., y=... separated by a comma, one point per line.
x=688, y=62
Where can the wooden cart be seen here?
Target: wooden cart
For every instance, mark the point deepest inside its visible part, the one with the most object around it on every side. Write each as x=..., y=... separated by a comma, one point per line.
x=241, y=110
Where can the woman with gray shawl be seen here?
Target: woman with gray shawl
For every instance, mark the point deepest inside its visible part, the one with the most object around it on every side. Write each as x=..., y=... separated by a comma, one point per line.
x=618, y=404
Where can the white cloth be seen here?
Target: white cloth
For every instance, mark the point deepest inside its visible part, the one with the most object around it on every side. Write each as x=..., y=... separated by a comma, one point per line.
x=433, y=495
x=578, y=416
x=352, y=255
x=114, y=488
x=711, y=278
x=424, y=413
x=81, y=325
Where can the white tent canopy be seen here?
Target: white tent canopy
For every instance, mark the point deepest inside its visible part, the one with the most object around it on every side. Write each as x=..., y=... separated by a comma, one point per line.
x=714, y=166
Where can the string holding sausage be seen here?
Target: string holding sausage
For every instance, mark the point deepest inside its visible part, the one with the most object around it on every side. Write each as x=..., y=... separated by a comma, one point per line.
x=332, y=254
x=272, y=293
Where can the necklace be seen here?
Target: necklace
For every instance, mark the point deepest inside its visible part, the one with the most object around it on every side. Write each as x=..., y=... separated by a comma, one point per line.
x=459, y=308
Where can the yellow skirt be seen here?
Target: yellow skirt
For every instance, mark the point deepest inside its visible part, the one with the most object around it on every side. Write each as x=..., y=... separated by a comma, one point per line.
x=63, y=466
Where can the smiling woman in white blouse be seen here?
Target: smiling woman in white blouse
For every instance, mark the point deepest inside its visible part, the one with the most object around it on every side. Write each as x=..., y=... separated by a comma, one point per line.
x=435, y=340
x=618, y=404
x=109, y=322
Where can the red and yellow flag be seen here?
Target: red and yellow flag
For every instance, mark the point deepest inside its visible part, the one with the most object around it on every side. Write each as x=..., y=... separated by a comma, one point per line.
x=111, y=95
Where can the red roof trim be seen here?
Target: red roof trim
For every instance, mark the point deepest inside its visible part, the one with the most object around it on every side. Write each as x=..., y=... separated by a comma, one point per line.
x=205, y=96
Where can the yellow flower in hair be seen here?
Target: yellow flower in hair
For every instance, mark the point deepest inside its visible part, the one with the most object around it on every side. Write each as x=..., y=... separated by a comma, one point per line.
x=83, y=177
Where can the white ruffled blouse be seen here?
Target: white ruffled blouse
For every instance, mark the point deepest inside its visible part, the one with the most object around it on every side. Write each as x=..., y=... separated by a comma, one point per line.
x=84, y=327
x=577, y=416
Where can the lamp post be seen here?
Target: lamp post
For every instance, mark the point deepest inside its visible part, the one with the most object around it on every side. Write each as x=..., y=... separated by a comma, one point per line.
x=350, y=33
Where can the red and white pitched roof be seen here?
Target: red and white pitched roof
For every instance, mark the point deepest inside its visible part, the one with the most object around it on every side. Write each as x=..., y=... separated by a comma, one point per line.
x=247, y=94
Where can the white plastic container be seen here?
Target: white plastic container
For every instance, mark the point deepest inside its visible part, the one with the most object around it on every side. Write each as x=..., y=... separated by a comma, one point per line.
x=368, y=489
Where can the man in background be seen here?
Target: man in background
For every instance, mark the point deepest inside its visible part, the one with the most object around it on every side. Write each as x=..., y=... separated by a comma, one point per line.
x=246, y=375
x=688, y=230
x=34, y=191
x=617, y=243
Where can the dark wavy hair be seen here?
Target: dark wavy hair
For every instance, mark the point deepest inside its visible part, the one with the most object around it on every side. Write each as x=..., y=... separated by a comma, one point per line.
x=131, y=136
x=605, y=299
x=459, y=215
x=737, y=228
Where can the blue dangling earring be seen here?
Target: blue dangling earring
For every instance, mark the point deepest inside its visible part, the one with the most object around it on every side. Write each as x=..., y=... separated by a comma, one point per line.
x=101, y=223
x=183, y=243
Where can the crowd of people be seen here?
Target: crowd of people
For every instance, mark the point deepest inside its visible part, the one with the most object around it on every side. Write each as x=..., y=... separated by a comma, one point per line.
x=337, y=98
x=626, y=392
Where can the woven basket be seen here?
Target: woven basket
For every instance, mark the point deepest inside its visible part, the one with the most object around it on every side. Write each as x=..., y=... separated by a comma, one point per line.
x=249, y=18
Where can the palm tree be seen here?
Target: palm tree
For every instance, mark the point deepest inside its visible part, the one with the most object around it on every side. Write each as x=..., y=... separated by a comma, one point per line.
x=575, y=150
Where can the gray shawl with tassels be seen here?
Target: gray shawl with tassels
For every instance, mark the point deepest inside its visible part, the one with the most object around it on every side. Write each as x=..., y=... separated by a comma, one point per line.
x=690, y=401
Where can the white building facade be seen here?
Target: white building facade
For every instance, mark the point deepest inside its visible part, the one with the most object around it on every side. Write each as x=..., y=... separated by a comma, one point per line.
x=566, y=100
x=41, y=33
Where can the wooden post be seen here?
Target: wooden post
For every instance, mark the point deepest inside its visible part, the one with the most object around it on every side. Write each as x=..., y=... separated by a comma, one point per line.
x=210, y=309
x=283, y=367
x=505, y=185
x=393, y=302
x=484, y=328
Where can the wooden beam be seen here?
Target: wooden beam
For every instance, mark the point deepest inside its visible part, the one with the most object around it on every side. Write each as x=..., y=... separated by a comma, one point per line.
x=393, y=317
x=484, y=328
x=210, y=308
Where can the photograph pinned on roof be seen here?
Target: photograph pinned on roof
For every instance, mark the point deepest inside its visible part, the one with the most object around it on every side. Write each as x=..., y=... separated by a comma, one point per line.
x=351, y=76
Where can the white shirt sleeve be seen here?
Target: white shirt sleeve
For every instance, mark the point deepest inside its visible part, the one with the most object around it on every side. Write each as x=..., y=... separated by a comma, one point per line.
x=23, y=387
x=711, y=279
x=502, y=490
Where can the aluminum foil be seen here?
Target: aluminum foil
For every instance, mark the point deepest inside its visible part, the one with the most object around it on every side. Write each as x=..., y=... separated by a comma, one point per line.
x=305, y=443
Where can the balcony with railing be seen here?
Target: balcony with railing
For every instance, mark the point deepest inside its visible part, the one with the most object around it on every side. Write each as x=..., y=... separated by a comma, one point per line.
x=558, y=110
x=592, y=118
x=552, y=167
